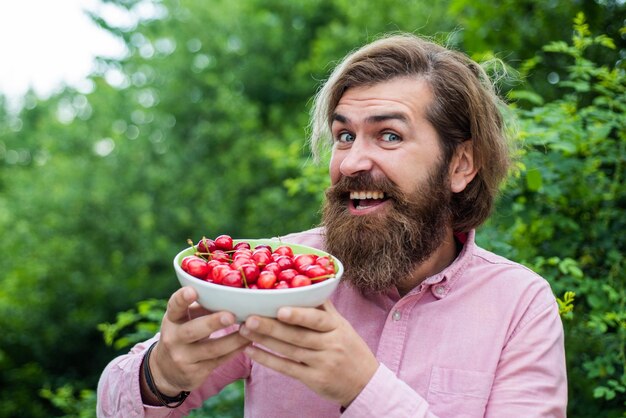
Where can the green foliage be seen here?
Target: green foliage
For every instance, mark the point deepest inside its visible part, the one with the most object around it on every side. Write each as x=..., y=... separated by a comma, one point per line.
x=200, y=130
x=563, y=216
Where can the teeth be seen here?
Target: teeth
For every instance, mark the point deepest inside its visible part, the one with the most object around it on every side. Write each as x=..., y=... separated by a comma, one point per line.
x=367, y=195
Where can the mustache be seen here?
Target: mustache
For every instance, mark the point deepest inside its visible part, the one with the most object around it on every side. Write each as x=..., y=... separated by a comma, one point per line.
x=362, y=182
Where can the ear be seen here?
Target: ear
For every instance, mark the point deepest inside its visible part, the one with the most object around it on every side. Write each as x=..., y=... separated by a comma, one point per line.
x=462, y=167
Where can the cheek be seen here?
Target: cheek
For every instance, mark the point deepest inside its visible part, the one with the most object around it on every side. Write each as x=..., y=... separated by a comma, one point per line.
x=334, y=168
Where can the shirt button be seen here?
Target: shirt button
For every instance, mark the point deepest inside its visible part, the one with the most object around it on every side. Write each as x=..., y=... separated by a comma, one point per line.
x=440, y=290
x=396, y=316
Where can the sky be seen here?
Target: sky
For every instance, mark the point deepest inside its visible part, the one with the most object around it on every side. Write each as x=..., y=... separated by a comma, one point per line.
x=45, y=43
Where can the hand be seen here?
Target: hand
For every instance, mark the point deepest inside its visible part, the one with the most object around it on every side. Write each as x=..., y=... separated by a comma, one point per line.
x=185, y=356
x=315, y=346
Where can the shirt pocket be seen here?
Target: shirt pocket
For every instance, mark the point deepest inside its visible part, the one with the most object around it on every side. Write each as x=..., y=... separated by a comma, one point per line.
x=459, y=393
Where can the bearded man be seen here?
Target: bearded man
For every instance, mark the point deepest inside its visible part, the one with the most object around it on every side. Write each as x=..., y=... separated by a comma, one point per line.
x=425, y=323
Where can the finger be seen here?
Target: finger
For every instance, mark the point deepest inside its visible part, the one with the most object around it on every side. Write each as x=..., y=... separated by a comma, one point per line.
x=261, y=330
x=296, y=352
x=316, y=319
x=196, y=311
x=178, y=304
x=214, y=363
x=216, y=348
x=201, y=328
x=282, y=365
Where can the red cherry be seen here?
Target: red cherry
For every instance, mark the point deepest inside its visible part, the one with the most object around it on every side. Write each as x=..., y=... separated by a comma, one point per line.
x=220, y=255
x=212, y=264
x=240, y=261
x=285, y=262
x=261, y=257
x=242, y=245
x=233, y=278
x=266, y=280
x=314, y=270
x=250, y=272
x=282, y=285
x=185, y=262
x=300, y=280
x=242, y=252
x=284, y=250
x=287, y=275
x=326, y=262
x=206, y=245
x=219, y=272
x=273, y=267
x=224, y=242
x=267, y=247
x=197, y=267
x=302, y=260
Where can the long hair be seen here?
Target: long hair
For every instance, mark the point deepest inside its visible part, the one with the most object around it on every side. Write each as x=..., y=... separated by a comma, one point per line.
x=465, y=106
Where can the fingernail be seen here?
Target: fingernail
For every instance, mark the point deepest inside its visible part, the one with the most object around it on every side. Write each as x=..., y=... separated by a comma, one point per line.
x=188, y=294
x=226, y=320
x=252, y=323
x=284, y=313
x=248, y=350
x=244, y=331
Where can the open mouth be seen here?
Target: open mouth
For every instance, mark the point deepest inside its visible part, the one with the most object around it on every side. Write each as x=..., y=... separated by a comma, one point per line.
x=363, y=200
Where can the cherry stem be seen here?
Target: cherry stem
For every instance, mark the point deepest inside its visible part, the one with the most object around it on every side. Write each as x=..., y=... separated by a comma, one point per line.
x=245, y=281
x=326, y=276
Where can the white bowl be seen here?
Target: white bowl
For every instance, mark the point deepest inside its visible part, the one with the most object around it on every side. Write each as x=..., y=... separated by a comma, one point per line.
x=265, y=302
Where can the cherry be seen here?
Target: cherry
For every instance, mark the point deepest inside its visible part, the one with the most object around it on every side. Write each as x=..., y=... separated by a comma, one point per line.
x=220, y=255
x=219, y=272
x=261, y=257
x=282, y=285
x=300, y=280
x=242, y=245
x=300, y=261
x=233, y=278
x=221, y=262
x=250, y=272
x=224, y=242
x=287, y=275
x=240, y=261
x=314, y=270
x=285, y=262
x=206, y=246
x=196, y=266
x=266, y=280
x=284, y=250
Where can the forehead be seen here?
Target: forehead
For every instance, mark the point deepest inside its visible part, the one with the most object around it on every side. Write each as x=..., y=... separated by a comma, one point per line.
x=408, y=96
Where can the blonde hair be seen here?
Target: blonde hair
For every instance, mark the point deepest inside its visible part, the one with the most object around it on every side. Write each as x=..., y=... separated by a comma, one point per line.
x=465, y=106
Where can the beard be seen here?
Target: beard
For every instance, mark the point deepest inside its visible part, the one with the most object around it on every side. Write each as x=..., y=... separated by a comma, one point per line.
x=382, y=250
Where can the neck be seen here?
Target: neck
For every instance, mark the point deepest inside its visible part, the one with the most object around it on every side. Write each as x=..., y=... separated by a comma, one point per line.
x=441, y=258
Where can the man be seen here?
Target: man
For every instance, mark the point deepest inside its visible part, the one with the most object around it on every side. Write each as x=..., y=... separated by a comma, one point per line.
x=425, y=323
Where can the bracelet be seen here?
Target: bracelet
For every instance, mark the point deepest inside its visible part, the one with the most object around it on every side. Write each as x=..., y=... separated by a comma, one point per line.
x=163, y=399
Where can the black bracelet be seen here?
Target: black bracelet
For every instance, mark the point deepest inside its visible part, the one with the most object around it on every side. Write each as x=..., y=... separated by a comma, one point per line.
x=163, y=399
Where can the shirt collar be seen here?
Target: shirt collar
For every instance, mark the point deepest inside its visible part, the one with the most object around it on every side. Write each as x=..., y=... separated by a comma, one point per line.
x=441, y=283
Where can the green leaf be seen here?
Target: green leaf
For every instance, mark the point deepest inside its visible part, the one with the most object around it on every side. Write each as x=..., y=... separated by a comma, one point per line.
x=534, y=181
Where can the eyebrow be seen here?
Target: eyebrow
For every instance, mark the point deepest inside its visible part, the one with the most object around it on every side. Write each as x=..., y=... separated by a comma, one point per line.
x=373, y=119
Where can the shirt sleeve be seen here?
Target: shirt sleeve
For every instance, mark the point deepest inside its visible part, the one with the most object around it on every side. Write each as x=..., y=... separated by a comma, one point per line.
x=387, y=396
x=531, y=379
x=119, y=393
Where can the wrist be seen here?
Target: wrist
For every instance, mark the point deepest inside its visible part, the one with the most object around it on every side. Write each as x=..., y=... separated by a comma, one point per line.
x=151, y=393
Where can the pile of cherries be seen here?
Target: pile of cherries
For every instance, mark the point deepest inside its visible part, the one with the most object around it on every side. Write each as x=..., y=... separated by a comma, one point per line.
x=220, y=261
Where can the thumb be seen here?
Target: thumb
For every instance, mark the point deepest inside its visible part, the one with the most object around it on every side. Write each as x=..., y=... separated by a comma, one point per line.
x=178, y=304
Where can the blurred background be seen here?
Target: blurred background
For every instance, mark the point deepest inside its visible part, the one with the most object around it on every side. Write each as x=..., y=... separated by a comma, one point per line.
x=192, y=120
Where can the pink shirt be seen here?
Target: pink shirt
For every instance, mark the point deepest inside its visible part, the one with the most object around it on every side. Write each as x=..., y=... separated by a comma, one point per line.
x=483, y=338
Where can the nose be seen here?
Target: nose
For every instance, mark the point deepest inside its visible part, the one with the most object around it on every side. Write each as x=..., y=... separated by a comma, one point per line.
x=356, y=159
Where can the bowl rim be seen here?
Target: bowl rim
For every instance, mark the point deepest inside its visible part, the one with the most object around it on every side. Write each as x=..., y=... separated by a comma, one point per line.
x=242, y=290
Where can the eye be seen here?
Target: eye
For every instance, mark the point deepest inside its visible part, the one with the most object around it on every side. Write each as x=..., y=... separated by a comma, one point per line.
x=345, y=137
x=390, y=137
